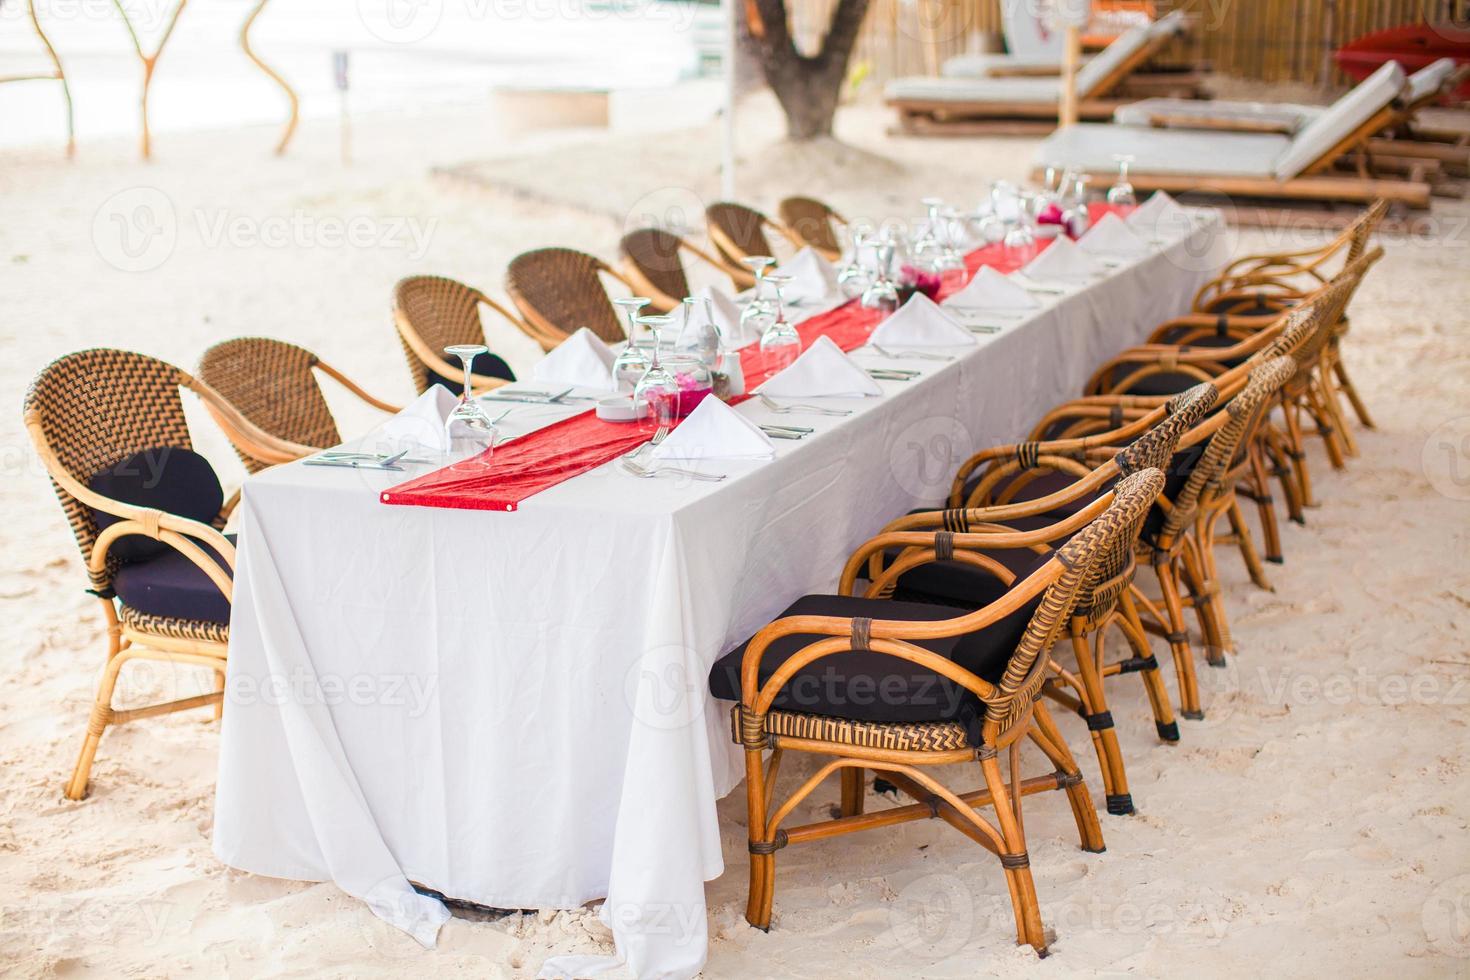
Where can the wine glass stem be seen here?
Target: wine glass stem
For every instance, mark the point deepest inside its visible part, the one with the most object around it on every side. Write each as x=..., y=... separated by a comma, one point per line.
x=653, y=365
x=469, y=364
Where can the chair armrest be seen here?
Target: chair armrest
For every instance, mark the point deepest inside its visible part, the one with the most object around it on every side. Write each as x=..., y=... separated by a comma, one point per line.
x=356, y=389
x=884, y=636
x=437, y=364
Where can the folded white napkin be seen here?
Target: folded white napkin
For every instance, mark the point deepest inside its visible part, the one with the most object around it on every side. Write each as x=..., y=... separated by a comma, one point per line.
x=1159, y=215
x=727, y=317
x=921, y=322
x=1112, y=236
x=582, y=360
x=992, y=290
x=822, y=370
x=813, y=279
x=714, y=430
x=421, y=423
x=1064, y=261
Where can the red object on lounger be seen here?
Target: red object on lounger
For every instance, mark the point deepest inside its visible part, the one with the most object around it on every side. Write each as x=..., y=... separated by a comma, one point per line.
x=1413, y=46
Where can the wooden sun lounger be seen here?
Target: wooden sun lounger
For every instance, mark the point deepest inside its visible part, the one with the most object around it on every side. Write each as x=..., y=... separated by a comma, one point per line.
x=1315, y=181
x=930, y=116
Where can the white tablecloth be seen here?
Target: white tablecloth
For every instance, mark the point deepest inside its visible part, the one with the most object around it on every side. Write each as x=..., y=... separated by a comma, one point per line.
x=511, y=708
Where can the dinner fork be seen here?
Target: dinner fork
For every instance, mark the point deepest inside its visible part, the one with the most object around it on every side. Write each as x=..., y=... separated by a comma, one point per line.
x=648, y=472
x=780, y=409
x=912, y=354
x=658, y=437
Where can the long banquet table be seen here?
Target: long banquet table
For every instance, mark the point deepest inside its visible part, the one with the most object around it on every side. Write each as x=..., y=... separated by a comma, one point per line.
x=510, y=707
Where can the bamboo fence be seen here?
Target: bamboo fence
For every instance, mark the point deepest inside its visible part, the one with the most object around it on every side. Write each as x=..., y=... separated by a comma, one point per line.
x=1261, y=40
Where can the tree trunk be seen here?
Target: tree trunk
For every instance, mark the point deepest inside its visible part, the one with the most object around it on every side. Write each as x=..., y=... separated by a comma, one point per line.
x=808, y=87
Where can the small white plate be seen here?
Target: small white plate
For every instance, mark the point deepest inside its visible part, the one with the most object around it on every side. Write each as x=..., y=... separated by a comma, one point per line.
x=618, y=408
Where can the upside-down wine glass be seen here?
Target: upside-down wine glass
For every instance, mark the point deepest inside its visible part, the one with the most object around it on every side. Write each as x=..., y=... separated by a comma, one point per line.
x=468, y=412
x=1121, y=193
x=656, y=395
x=852, y=278
x=881, y=294
x=631, y=362
x=753, y=318
x=1076, y=218
x=780, y=339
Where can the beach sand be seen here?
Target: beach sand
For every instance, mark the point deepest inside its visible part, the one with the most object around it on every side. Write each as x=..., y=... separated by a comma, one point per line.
x=1314, y=824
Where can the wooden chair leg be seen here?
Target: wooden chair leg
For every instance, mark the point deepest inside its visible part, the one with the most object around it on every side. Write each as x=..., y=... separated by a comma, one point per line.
x=1326, y=429
x=852, y=791
x=1178, y=638
x=1296, y=449
x=1265, y=504
x=1247, y=546
x=1283, y=467
x=762, y=850
x=1199, y=555
x=1100, y=722
x=1048, y=738
x=1016, y=861
x=219, y=687
x=1132, y=629
x=1333, y=401
x=1351, y=391
x=100, y=718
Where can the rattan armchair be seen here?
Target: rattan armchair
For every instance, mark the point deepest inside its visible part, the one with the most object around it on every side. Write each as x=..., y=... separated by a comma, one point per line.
x=274, y=385
x=812, y=223
x=916, y=646
x=1303, y=331
x=654, y=268
x=431, y=313
x=1276, y=281
x=895, y=568
x=105, y=416
x=738, y=231
x=559, y=290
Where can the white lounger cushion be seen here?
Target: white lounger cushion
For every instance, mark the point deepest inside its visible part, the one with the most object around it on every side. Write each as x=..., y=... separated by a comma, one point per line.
x=1345, y=115
x=981, y=65
x=1042, y=91
x=1092, y=147
x=1289, y=116
x=1428, y=80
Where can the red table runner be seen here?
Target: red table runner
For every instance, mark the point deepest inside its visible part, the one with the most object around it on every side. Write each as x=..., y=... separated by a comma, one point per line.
x=544, y=458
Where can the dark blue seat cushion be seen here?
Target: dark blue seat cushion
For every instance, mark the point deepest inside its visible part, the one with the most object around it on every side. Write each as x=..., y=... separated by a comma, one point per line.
x=486, y=365
x=171, y=585
x=175, y=481
x=870, y=686
x=958, y=583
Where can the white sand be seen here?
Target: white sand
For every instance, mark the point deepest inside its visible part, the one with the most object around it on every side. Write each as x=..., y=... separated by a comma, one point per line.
x=1315, y=824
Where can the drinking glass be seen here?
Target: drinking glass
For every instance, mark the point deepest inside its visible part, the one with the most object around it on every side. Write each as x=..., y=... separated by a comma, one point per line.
x=780, y=338
x=757, y=312
x=631, y=362
x=468, y=412
x=1121, y=193
x=1076, y=217
x=656, y=396
x=881, y=293
x=852, y=278
x=1019, y=234
x=699, y=335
